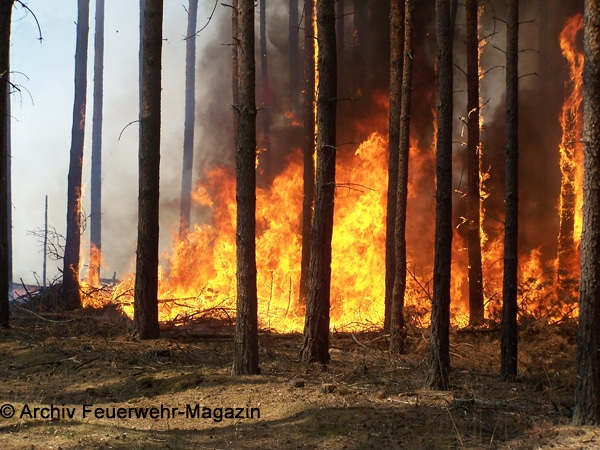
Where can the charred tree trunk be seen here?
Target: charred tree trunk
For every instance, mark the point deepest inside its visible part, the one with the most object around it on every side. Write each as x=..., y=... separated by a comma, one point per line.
x=294, y=57
x=315, y=347
x=96, y=181
x=189, y=120
x=587, y=386
x=396, y=60
x=397, y=315
x=473, y=169
x=245, y=358
x=5, y=18
x=508, y=368
x=439, y=343
x=146, y=267
x=71, y=293
x=308, y=146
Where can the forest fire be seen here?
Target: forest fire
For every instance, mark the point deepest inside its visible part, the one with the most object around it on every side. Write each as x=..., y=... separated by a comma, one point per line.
x=200, y=274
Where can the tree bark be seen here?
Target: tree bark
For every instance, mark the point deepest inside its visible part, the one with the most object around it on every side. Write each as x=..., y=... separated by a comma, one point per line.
x=587, y=385
x=397, y=316
x=308, y=146
x=439, y=345
x=189, y=120
x=96, y=177
x=245, y=359
x=315, y=346
x=71, y=293
x=146, y=269
x=5, y=18
x=509, y=345
x=396, y=61
x=473, y=168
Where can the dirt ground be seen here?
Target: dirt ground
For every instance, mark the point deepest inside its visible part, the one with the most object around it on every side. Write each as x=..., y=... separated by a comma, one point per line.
x=90, y=381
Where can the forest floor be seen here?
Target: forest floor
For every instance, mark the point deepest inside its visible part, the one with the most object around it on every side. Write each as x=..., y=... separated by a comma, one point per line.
x=89, y=379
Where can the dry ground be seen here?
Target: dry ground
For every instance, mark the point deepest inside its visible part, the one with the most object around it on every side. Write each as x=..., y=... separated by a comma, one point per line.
x=363, y=399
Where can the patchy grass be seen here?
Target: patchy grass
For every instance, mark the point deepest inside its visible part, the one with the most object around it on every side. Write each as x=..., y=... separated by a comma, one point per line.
x=363, y=399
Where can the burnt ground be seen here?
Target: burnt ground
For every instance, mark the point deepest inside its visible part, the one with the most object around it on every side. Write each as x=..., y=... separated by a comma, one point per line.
x=363, y=399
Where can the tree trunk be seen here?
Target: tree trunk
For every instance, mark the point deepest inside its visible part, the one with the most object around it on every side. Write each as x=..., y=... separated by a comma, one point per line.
x=473, y=168
x=189, y=120
x=96, y=181
x=234, y=67
x=439, y=345
x=396, y=60
x=5, y=18
x=71, y=293
x=359, y=48
x=308, y=146
x=508, y=368
x=587, y=385
x=294, y=57
x=146, y=269
x=315, y=347
x=397, y=315
x=245, y=358
x=265, y=115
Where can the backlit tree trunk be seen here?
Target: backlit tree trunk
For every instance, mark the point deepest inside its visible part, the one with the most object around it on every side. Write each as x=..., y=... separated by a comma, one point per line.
x=189, y=119
x=71, y=293
x=5, y=18
x=587, y=385
x=396, y=60
x=397, y=307
x=315, y=347
x=245, y=358
x=308, y=176
x=508, y=369
x=146, y=268
x=439, y=345
x=96, y=181
x=473, y=158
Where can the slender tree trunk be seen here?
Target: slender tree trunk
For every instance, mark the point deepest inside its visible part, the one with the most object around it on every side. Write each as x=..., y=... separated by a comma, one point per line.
x=71, y=293
x=315, y=347
x=473, y=168
x=5, y=18
x=146, y=269
x=587, y=385
x=9, y=190
x=265, y=115
x=308, y=146
x=234, y=67
x=439, y=344
x=341, y=37
x=396, y=61
x=189, y=120
x=397, y=316
x=294, y=57
x=359, y=50
x=508, y=369
x=245, y=358
x=96, y=181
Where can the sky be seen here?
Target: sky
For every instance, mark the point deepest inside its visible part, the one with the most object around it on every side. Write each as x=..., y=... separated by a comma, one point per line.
x=41, y=125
